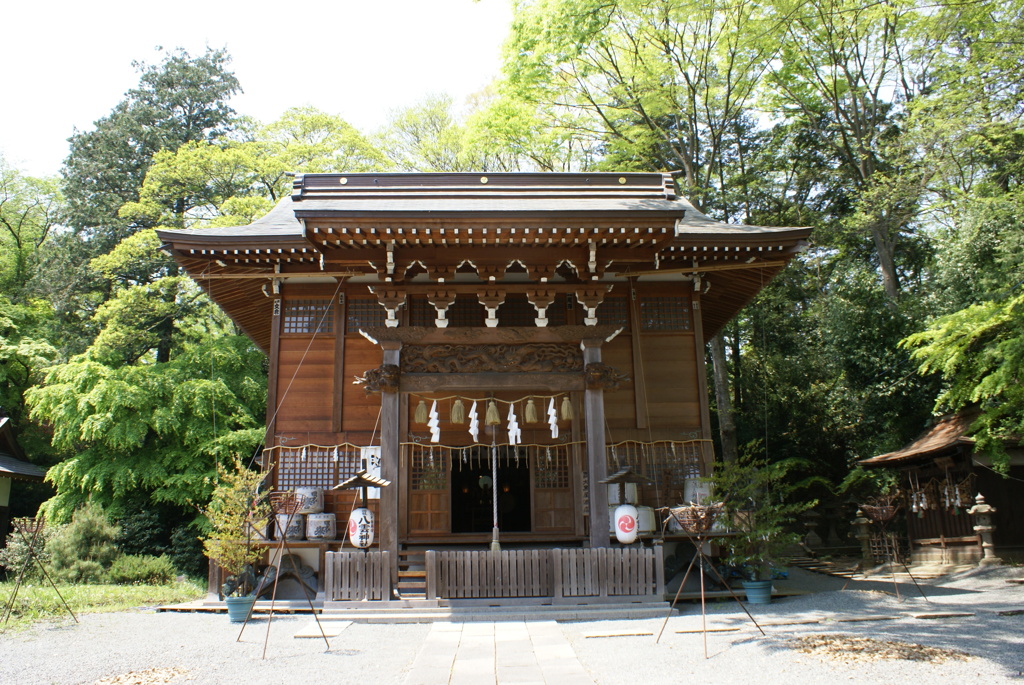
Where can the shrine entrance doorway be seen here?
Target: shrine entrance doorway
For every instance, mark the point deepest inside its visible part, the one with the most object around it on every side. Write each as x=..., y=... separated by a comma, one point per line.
x=450, y=489
x=473, y=489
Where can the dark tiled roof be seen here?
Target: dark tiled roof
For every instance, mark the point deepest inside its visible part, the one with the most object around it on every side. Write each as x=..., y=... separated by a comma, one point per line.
x=16, y=469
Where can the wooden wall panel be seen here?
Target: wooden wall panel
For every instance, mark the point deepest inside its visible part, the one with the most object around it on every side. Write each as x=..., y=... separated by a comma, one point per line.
x=360, y=411
x=670, y=369
x=620, y=404
x=305, y=384
x=553, y=510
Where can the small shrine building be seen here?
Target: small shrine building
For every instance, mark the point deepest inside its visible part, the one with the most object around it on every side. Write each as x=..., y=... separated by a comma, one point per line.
x=495, y=345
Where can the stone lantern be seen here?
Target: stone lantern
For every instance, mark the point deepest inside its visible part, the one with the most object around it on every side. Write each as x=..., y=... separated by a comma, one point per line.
x=982, y=512
x=862, y=526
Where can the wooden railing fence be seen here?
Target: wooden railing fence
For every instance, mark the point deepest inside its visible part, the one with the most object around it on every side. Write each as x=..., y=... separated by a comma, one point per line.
x=354, y=576
x=559, y=575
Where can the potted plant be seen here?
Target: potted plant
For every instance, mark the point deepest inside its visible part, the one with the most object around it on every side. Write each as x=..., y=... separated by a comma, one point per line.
x=759, y=507
x=237, y=513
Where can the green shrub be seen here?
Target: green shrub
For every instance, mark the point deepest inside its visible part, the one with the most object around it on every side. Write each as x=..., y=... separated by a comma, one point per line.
x=14, y=555
x=187, y=553
x=142, y=569
x=84, y=549
x=142, y=532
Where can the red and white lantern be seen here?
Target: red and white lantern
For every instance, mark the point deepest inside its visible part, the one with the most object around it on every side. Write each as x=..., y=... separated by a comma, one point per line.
x=360, y=527
x=626, y=523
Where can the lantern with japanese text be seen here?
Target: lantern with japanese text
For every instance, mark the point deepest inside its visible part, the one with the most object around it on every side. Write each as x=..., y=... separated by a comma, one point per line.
x=360, y=527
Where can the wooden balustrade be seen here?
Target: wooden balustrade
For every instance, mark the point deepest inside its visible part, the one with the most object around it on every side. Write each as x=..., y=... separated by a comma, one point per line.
x=356, y=576
x=556, y=575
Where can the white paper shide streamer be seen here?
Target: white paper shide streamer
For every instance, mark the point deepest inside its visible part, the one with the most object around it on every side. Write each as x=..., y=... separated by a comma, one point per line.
x=553, y=418
x=515, y=434
x=474, y=423
x=434, y=423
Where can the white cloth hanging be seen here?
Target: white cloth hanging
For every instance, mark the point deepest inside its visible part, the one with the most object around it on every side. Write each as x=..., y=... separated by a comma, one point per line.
x=515, y=435
x=434, y=423
x=553, y=418
x=474, y=423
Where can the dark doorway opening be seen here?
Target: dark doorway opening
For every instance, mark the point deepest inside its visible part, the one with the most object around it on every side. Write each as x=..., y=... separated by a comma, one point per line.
x=472, y=503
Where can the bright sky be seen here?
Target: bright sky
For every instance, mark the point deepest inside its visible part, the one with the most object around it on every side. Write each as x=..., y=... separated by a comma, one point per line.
x=66, y=64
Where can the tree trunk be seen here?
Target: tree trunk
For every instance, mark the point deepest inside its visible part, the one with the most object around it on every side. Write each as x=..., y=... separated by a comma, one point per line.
x=886, y=249
x=726, y=423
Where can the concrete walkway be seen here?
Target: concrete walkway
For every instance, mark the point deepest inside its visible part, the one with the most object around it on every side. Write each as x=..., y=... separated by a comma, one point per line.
x=506, y=653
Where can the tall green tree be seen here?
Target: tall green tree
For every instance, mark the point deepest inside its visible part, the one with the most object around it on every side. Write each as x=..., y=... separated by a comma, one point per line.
x=158, y=428
x=30, y=209
x=180, y=100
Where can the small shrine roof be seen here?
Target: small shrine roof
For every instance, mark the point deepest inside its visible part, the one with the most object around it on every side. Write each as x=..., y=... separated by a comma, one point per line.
x=11, y=463
x=946, y=434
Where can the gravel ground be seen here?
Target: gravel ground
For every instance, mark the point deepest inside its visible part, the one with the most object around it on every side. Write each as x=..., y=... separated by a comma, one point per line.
x=147, y=647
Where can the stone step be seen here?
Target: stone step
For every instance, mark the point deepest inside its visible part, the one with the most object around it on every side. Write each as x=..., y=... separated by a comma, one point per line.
x=589, y=612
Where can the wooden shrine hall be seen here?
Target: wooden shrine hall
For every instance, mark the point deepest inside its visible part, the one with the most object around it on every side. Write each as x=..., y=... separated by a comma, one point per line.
x=494, y=345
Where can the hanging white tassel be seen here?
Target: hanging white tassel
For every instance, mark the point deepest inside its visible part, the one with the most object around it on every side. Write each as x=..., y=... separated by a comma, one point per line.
x=434, y=424
x=553, y=419
x=335, y=454
x=474, y=423
x=304, y=454
x=514, y=433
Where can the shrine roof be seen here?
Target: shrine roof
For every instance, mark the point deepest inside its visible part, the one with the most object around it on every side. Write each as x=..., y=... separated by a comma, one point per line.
x=377, y=226
x=11, y=466
x=644, y=197
x=947, y=433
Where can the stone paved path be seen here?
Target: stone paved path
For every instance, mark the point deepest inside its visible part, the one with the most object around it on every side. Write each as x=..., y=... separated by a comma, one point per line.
x=506, y=653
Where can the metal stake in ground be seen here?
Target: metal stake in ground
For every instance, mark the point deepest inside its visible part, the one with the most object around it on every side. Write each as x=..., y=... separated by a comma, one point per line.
x=287, y=504
x=35, y=527
x=882, y=512
x=696, y=521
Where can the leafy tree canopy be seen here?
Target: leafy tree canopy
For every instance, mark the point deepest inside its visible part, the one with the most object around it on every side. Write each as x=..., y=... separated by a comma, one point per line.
x=161, y=428
x=180, y=100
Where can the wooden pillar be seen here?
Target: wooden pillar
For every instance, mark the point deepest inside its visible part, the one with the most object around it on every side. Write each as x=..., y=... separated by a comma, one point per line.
x=340, y=316
x=390, y=437
x=597, y=463
x=270, y=439
x=707, y=451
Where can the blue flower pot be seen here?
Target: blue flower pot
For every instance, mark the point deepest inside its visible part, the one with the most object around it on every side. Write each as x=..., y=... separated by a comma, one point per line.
x=758, y=591
x=238, y=607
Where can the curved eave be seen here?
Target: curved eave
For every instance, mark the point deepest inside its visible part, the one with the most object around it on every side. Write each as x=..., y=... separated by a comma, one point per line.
x=242, y=300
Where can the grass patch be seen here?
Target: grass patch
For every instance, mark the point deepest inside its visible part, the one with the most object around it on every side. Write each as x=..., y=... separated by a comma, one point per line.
x=38, y=602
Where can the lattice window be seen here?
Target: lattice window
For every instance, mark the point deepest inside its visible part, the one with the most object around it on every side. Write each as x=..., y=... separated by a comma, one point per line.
x=669, y=313
x=614, y=311
x=421, y=312
x=304, y=316
x=363, y=313
x=428, y=468
x=516, y=310
x=315, y=466
x=466, y=311
x=551, y=467
x=558, y=312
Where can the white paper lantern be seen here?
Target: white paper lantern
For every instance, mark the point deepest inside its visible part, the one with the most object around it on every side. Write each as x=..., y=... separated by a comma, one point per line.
x=360, y=527
x=626, y=523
